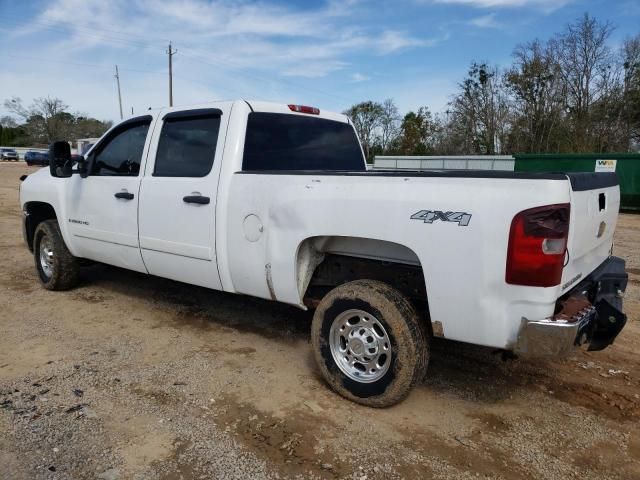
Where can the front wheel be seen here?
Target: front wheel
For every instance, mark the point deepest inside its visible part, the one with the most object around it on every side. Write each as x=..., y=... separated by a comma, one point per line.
x=57, y=268
x=369, y=343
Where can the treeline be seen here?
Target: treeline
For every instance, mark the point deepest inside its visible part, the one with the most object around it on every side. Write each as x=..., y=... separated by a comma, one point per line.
x=571, y=93
x=44, y=121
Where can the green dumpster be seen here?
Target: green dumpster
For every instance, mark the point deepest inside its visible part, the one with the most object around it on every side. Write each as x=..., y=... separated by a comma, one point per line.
x=627, y=165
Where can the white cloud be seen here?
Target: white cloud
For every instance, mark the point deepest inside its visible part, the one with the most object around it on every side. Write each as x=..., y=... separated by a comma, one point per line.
x=545, y=5
x=246, y=35
x=485, y=21
x=359, y=77
x=226, y=49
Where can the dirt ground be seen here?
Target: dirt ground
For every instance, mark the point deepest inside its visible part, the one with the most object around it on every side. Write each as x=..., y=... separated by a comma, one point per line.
x=130, y=376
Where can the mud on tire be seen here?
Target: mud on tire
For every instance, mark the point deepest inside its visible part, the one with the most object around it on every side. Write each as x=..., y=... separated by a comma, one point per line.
x=56, y=267
x=387, y=319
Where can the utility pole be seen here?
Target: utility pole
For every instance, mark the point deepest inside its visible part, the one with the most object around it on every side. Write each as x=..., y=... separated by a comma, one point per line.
x=171, y=53
x=119, y=96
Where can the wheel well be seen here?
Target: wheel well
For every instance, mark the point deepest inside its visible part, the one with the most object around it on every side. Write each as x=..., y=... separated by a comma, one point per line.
x=36, y=212
x=326, y=262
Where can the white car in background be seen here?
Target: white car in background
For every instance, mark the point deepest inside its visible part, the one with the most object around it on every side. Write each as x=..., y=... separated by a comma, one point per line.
x=9, y=154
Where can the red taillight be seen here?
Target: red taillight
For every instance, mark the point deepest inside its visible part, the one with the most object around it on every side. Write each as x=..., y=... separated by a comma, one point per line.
x=537, y=245
x=304, y=109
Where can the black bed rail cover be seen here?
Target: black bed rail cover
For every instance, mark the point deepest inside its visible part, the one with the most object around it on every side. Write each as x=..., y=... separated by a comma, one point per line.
x=417, y=173
x=581, y=181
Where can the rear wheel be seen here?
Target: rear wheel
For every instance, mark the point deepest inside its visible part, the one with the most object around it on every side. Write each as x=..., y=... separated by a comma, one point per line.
x=369, y=343
x=57, y=268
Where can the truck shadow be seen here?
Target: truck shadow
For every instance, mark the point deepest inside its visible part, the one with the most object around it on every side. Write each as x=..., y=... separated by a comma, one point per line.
x=463, y=370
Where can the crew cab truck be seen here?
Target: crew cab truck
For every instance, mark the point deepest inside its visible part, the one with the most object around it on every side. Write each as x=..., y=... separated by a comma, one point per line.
x=275, y=201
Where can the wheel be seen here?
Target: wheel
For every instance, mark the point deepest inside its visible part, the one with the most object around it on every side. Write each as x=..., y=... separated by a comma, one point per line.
x=57, y=268
x=369, y=343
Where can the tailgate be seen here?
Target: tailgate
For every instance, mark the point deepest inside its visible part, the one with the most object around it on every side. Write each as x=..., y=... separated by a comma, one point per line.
x=595, y=201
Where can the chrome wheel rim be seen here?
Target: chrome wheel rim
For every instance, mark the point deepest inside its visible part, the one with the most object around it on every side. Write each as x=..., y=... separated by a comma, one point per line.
x=46, y=257
x=360, y=346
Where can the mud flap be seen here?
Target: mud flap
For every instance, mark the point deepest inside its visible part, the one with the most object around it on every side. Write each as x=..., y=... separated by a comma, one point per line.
x=609, y=323
x=609, y=282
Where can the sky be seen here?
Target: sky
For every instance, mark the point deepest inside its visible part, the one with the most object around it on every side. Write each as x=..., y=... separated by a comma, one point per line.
x=329, y=54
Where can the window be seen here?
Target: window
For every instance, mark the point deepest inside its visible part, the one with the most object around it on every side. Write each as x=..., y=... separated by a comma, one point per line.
x=121, y=154
x=187, y=145
x=276, y=141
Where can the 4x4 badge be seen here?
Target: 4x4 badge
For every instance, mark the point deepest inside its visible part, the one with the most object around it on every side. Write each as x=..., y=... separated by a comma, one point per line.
x=429, y=216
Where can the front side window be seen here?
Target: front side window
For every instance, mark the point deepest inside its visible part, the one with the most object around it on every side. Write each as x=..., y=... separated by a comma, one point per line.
x=122, y=153
x=187, y=146
x=277, y=141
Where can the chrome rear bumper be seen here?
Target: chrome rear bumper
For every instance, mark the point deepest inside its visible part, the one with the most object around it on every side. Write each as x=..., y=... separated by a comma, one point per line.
x=554, y=338
x=591, y=314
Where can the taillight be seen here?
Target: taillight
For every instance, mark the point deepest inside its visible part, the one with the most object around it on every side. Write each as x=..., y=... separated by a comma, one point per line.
x=537, y=245
x=304, y=109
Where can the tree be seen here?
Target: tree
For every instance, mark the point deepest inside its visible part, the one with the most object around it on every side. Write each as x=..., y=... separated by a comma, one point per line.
x=537, y=97
x=631, y=91
x=7, y=121
x=416, y=133
x=585, y=62
x=366, y=118
x=47, y=120
x=389, y=125
x=480, y=111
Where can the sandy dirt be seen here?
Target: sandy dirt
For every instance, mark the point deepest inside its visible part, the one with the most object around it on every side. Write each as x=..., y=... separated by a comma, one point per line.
x=129, y=376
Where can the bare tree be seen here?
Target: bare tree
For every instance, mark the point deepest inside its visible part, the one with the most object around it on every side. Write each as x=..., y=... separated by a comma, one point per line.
x=631, y=90
x=389, y=125
x=7, y=121
x=538, y=95
x=366, y=118
x=480, y=111
x=585, y=62
x=46, y=118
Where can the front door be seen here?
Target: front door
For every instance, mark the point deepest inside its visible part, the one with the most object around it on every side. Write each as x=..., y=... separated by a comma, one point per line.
x=103, y=207
x=178, y=197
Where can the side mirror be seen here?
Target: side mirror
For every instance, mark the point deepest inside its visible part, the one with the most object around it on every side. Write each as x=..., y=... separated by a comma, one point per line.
x=80, y=165
x=60, y=162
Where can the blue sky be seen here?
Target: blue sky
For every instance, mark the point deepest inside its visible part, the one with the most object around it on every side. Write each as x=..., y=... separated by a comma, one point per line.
x=329, y=54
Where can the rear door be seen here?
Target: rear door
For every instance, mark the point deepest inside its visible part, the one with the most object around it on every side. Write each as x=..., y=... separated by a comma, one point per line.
x=178, y=196
x=595, y=202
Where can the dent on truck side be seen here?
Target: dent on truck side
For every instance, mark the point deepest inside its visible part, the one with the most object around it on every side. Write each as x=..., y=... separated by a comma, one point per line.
x=312, y=252
x=463, y=266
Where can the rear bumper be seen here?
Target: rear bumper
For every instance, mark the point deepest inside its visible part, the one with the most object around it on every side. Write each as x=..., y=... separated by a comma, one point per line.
x=591, y=314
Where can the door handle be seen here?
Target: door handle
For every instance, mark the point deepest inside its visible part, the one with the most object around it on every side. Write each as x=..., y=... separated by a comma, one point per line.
x=124, y=195
x=196, y=199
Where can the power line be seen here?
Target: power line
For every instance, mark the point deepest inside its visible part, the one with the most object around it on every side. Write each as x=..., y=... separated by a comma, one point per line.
x=108, y=67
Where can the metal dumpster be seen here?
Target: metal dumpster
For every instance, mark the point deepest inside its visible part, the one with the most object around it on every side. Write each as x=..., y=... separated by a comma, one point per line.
x=627, y=165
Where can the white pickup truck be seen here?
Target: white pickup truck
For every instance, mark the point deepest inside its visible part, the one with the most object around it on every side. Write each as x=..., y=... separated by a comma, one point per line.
x=275, y=201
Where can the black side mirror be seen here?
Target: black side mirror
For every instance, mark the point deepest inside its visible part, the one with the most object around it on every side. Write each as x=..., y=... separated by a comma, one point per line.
x=60, y=162
x=83, y=166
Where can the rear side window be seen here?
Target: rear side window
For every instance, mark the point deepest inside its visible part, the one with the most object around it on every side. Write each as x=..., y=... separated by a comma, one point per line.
x=277, y=141
x=187, y=146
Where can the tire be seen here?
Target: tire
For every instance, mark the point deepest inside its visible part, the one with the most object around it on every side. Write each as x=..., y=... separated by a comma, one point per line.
x=361, y=317
x=56, y=267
